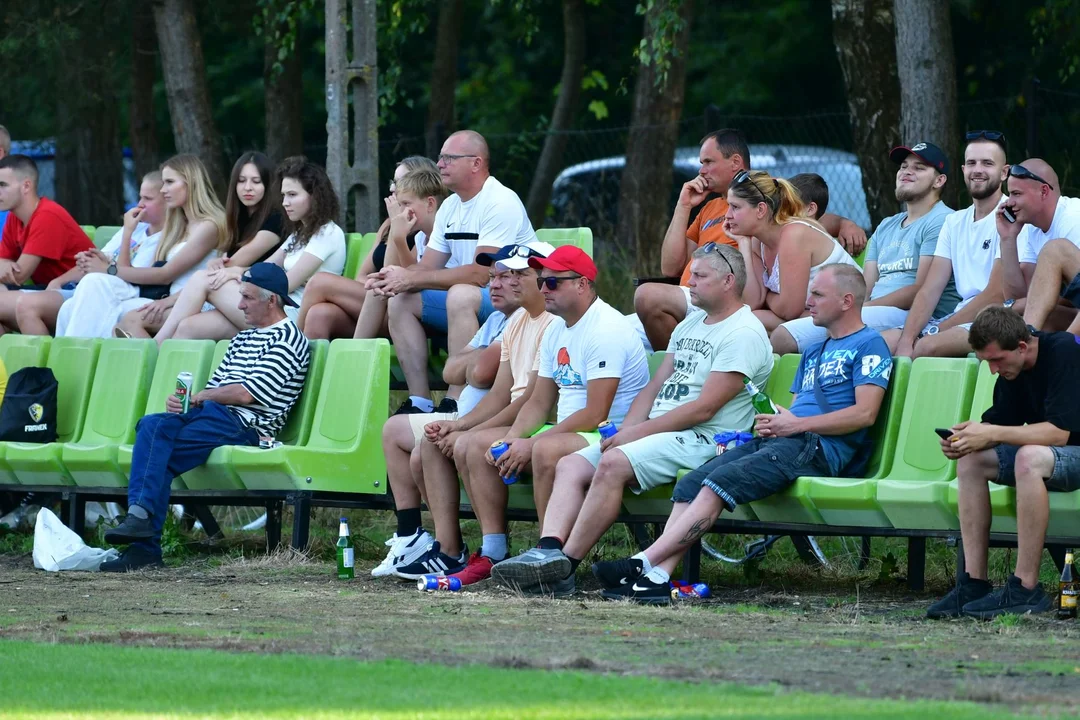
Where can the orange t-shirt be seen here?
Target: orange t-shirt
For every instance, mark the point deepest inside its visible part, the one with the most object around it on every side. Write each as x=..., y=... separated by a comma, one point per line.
x=708, y=227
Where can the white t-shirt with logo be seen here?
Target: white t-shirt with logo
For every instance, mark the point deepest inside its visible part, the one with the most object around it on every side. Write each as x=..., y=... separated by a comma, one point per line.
x=1066, y=224
x=327, y=244
x=494, y=217
x=972, y=247
x=738, y=344
x=601, y=344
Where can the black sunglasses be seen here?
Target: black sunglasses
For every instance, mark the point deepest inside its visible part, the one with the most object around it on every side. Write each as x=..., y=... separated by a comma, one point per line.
x=992, y=135
x=744, y=176
x=552, y=281
x=715, y=247
x=1024, y=174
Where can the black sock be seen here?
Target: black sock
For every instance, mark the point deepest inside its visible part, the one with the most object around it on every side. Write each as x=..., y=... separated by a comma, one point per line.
x=408, y=521
x=574, y=562
x=549, y=543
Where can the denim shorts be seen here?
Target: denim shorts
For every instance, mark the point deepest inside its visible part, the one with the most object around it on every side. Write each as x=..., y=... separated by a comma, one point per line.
x=434, y=313
x=1071, y=292
x=755, y=470
x=1066, y=475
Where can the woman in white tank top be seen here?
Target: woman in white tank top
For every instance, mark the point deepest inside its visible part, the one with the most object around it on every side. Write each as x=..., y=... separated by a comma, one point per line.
x=767, y=214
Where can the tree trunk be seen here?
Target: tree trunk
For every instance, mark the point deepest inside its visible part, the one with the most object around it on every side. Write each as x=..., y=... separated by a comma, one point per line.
x=282, y=98
x=89, y=164
x=654, y=128
x=142, y=129
x=444, y=74
x=927, y=69
x=566, y=107
x=185, y=86
x=864, y=34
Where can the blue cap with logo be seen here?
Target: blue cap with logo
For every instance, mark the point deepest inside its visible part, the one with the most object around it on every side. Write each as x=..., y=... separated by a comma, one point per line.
x=270, y=277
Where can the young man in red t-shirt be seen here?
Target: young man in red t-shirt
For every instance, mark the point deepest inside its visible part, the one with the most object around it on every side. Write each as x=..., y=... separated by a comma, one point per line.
x=40, y=239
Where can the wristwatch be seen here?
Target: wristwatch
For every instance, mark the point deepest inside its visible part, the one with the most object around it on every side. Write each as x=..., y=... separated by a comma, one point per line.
x=111, y=269
x=1009, y=303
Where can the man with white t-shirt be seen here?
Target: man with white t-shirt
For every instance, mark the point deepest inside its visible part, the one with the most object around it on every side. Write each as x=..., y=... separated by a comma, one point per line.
x=591, y=367
x=697, y=392
x=481, y=216
x=899, y=252
x=967, y=256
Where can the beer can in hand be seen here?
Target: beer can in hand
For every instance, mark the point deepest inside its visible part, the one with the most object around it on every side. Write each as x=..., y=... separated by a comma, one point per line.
x=183, y=390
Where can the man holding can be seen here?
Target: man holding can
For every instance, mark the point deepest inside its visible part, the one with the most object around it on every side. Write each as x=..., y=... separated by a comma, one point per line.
x=697, y=393
x=249, y=395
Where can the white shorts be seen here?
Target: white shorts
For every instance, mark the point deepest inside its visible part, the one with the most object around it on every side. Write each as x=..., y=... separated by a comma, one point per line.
x=636, y=323
x=657, y=459
x=932, y=326
x=806, y=334
x=417, y=421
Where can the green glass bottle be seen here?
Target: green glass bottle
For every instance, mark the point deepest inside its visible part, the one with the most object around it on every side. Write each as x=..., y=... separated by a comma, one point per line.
x=761, y=402
x=344, y=552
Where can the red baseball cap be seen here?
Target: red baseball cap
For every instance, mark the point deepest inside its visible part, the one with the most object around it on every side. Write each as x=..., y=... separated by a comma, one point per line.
x=567, y=257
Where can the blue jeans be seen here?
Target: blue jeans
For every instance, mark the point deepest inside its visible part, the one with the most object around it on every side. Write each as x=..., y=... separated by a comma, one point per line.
x=170, y=444
x=1066, y=475
x=755, y=470
x=433, y=314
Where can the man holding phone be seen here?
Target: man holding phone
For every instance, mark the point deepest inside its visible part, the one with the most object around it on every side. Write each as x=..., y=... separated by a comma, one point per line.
x=1030, y=439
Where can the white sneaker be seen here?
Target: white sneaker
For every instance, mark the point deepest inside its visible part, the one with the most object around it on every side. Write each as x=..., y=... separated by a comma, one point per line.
x=403, y=551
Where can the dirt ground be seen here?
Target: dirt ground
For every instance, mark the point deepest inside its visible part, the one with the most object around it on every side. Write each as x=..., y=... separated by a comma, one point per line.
x=862, y=643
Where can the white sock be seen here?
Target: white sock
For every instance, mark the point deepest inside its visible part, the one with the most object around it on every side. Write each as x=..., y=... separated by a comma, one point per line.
x=646, y=565
x=658, y=575
x=423, y=403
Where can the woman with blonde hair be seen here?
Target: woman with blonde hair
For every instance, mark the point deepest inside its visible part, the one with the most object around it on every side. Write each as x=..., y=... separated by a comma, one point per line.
x=194, y=234
x=767, y=215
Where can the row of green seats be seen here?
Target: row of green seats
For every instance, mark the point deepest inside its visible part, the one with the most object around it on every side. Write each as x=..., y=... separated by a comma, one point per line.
x=100, y=235
x=332, y=441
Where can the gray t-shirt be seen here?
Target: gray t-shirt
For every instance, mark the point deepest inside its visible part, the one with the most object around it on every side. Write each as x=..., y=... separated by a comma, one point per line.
x=897, y=249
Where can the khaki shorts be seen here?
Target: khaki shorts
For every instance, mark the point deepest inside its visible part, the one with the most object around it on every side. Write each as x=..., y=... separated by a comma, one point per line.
x=657, y=459
x=417, y=421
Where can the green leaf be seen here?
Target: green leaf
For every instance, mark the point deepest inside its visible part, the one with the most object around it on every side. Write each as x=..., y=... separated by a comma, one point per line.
x=599, y=109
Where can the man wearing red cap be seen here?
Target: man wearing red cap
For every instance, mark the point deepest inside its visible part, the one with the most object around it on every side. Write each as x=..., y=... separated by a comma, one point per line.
x=592, y=365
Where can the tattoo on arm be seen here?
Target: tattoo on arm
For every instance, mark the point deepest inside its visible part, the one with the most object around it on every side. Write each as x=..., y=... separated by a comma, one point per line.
x=696, y=531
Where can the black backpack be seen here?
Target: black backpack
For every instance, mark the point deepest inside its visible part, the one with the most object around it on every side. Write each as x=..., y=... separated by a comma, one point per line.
x=28, y=413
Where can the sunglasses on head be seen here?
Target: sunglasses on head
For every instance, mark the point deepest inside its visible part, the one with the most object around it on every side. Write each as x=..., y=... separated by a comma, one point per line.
x=744, y=176
x=991, y=135
x=552, y=281
x=715, y=247
x=1024, y=174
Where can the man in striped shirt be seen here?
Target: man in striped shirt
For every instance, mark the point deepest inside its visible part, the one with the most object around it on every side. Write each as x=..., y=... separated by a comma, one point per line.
x=249, y=396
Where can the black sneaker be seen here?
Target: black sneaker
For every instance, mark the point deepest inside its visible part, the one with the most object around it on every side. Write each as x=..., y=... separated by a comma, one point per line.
x=967, y=590
x=433, y=562
x=134, y=558
x=614, y=574
x=643, y=590
x=407, y=408
x=447, y=405
x=1012, y=598
x=131, y=529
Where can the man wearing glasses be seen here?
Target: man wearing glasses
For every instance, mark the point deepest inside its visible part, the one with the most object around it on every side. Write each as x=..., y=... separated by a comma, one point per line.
x=481, y=216
x=696, y=393
x=591, y=368
x=967, y=256
x=1039, y=252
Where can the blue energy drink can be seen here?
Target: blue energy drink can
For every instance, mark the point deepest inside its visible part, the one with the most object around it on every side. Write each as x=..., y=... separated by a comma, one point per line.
x=497, y=449
x=606, y=429
x=433, y=583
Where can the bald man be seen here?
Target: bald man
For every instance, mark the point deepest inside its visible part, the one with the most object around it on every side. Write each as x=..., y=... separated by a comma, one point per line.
x=1045, y=222
x=444, y=292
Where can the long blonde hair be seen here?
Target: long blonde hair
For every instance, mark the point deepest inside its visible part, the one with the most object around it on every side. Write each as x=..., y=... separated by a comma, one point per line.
x=201, y=201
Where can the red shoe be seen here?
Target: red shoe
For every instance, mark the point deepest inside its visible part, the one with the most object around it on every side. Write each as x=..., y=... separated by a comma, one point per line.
x=478, y=568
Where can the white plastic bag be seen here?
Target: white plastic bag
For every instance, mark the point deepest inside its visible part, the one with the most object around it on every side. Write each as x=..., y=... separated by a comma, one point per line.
x=57, y=548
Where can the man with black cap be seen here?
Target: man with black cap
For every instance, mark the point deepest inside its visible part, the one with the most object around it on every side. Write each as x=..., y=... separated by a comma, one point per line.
x=899, y=252
x=248, y=397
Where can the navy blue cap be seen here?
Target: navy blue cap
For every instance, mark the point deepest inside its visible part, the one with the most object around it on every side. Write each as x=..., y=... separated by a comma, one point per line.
x=270, y=277
x=929, y=153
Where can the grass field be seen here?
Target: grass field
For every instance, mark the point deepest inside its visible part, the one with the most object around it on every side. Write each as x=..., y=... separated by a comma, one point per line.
x=100, y=681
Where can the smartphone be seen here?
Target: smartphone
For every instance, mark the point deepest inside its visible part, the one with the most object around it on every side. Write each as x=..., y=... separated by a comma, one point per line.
x=945, y=433
x=1009, y=215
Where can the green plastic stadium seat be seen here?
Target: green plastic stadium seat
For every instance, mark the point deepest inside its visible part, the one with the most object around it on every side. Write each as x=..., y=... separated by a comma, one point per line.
x=580, y=236
x=213, y=476
x=174, y=357
x=72, y=361
x=344, y=450
x=89, y=230
x=258, y=469
x=20, y=351
x=914, y=494
x=357, y=248
x=853, y=501
x=125, y=369
x=104, y=233
x=655, y=359
x=783, y=374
